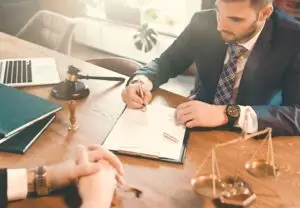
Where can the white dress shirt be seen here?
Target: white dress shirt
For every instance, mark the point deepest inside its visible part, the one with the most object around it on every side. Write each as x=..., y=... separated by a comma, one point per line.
x=16, y=184
x=247, y=112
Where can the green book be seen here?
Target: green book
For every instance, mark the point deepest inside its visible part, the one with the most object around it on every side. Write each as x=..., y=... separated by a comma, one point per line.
x=22, y=140
x=19, y=110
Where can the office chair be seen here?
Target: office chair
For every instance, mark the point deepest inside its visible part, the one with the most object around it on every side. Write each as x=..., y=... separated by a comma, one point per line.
x=50, y=30
x=120, y=65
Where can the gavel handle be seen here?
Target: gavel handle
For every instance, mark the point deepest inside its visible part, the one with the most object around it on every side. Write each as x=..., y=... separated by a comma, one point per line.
x=120, y=79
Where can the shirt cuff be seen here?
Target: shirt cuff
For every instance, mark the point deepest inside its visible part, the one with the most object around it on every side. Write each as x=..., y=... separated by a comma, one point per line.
x=248, y=120
x=16, y=184
x=146, y=81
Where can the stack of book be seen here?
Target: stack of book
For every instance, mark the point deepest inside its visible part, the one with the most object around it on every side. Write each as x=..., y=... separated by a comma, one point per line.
x=23, y=118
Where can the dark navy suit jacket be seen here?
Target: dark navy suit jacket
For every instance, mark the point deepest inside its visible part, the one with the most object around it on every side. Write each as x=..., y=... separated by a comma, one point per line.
x=270, y=82
x=3, y=188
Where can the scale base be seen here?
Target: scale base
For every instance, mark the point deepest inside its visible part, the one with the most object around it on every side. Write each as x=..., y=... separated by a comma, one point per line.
x=237, y=193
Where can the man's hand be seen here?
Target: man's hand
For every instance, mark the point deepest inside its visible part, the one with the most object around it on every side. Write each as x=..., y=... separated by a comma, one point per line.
x=97, y=153
x=132, y=97
x=97, y=190
x=200, y=114
x=67, y=172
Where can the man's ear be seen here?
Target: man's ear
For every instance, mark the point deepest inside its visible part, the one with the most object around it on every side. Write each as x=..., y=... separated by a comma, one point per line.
x=266, y=12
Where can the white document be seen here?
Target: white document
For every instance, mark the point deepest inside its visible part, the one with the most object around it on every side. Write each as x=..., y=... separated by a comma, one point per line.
x=142, y=133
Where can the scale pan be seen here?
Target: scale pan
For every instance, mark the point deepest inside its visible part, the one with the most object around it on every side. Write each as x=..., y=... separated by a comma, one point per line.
x=261, y=168
x=203, y=185
x=237, y=193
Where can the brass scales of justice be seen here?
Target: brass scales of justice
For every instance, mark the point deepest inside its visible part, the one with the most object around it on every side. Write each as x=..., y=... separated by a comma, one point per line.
x=234, y=190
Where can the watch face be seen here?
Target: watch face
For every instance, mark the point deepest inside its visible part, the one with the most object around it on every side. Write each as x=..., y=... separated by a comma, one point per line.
x=233, y=111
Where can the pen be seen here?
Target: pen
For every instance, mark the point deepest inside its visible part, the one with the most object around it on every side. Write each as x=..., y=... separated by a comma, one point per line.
x=142, y=94
x=169, y=137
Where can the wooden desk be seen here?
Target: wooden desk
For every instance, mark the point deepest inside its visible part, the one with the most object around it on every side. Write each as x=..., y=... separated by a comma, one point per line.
x=164, y=185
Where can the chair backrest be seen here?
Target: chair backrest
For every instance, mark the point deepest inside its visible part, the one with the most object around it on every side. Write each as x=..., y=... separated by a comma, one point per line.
x=120, y=65
x=49, y=29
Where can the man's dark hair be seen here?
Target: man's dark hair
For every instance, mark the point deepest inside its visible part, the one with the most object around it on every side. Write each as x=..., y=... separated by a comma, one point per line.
x=257, y=4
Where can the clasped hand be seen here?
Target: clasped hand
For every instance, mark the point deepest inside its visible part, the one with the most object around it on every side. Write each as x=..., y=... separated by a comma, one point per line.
x=92, y=165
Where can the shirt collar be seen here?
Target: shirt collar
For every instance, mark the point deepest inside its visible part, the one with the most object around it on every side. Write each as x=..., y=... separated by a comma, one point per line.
x=250, y=43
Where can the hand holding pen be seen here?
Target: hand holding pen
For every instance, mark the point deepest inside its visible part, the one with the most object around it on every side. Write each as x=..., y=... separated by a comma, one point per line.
x=142, y=95
x=136, y=95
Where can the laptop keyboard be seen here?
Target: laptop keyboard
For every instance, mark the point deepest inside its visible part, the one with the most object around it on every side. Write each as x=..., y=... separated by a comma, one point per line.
x=18, y=71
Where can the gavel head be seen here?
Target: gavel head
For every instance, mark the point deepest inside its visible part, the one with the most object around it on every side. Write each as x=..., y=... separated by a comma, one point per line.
x=72, y=73
x=71, y=88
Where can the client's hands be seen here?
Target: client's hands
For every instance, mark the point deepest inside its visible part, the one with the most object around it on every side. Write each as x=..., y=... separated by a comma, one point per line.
x=97, y=190
x=85, y=164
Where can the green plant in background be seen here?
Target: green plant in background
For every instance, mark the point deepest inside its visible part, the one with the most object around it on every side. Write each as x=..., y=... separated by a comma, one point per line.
x=145, y=39
x=146, y=36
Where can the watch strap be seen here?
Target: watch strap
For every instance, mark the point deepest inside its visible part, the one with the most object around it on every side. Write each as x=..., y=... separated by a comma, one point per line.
x=41, y=181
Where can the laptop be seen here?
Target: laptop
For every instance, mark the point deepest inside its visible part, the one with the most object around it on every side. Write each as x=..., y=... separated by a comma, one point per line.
x=28, y=72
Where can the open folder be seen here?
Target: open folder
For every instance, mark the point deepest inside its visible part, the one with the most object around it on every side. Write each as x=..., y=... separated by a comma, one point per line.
x=152, y=134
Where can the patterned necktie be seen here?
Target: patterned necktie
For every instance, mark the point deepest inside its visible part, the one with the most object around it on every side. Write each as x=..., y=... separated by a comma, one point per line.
x=226, y=81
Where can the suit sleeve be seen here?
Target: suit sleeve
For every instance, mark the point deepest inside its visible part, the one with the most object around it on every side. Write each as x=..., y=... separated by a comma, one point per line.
x=284, y=119
x=3, y=188
x=175, y=60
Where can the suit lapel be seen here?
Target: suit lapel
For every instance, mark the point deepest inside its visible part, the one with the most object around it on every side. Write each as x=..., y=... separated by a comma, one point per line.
x=216, y=58
x=258, y=54
x=209, y=61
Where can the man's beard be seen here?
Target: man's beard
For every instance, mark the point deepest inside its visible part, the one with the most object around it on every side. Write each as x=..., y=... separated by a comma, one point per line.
x=245, y=37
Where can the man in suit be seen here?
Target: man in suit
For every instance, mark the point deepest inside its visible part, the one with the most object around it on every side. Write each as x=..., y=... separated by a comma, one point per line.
x=247, y=55
x=95, y=169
